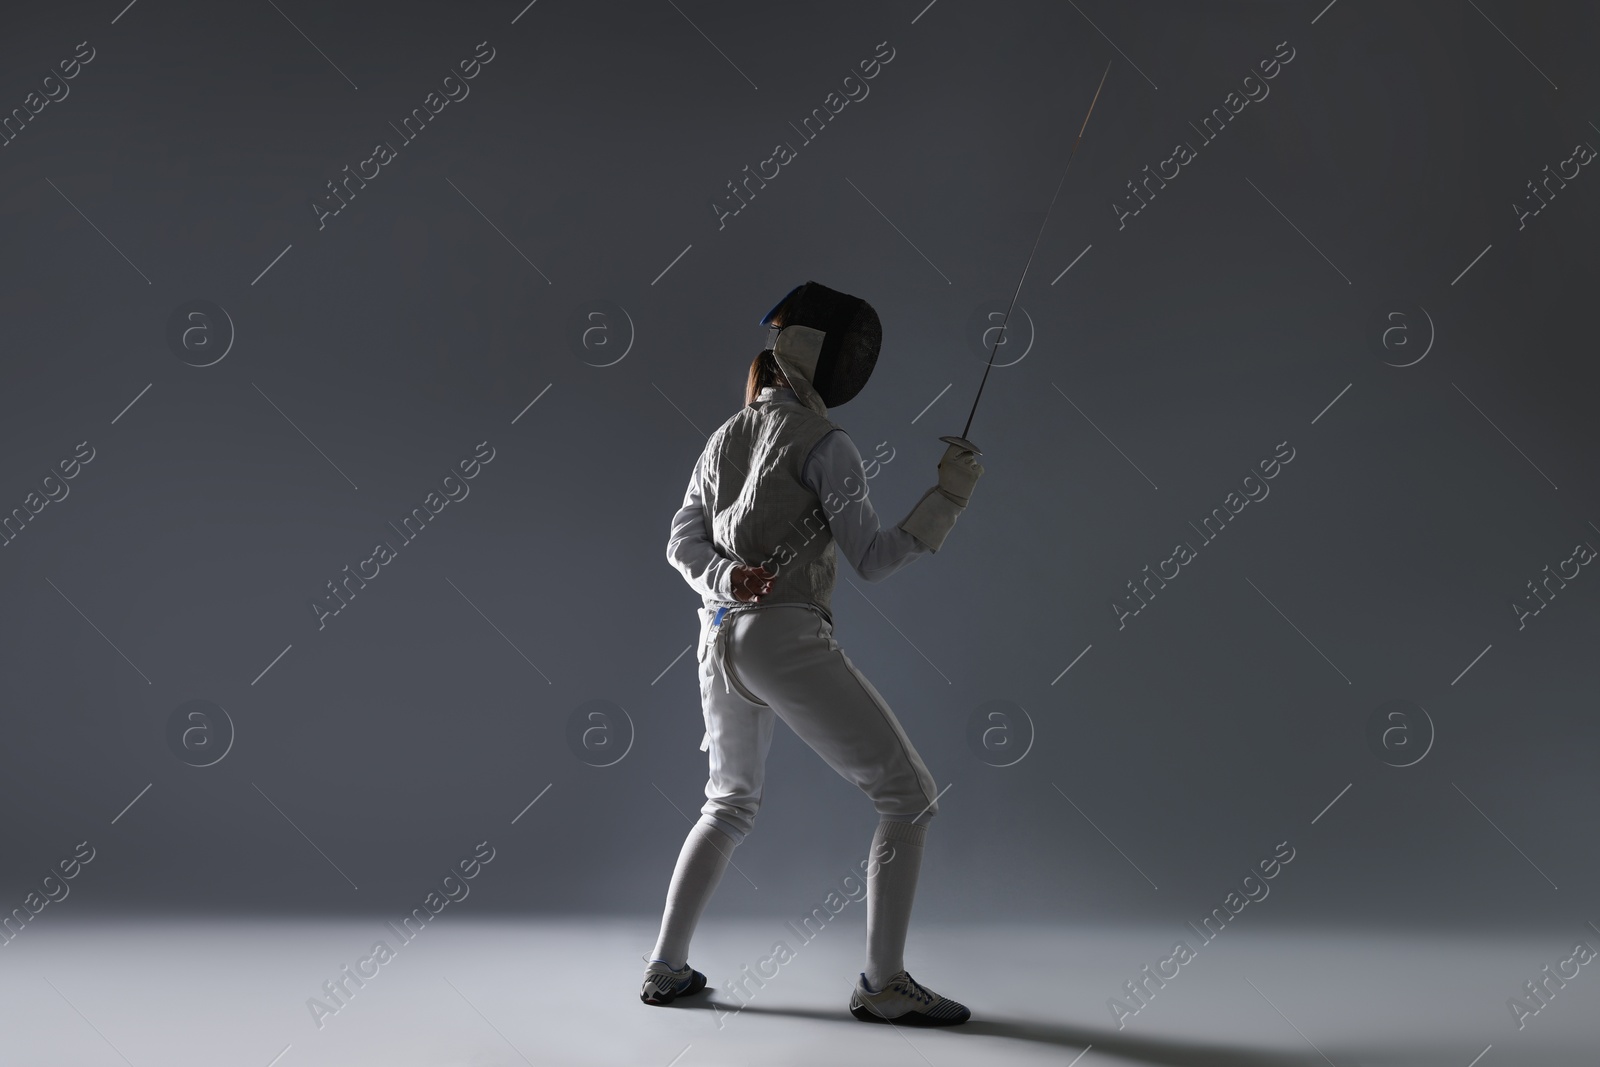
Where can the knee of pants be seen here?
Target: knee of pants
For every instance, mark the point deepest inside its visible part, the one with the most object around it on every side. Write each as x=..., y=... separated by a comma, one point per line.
x=905, y=794
x=733, y=817
x=920, y=819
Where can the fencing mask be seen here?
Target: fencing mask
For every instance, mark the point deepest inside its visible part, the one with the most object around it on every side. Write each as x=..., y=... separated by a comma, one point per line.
x=826, y=342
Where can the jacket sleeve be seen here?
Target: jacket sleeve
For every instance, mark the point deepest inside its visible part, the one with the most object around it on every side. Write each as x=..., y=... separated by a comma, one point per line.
x=834, y=472
x=690, y=548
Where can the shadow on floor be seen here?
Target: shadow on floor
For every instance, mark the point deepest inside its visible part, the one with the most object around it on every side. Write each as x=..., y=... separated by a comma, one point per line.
x=1155, y=1051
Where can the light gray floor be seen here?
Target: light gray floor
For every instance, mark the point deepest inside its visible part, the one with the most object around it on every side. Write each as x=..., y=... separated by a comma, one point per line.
x=474, y=991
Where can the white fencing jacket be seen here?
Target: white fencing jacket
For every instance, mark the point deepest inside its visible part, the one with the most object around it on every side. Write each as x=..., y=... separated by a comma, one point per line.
x=835, y=475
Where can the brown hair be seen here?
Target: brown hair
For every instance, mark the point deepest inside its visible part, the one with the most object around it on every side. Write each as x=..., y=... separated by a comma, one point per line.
x=764, y=371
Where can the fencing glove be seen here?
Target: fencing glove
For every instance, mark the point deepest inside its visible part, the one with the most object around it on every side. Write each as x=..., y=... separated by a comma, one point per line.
x=936, y=513
x=958, y=474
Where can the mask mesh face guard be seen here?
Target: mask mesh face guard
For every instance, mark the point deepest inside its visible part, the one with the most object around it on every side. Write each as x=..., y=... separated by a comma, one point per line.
x=830, y=337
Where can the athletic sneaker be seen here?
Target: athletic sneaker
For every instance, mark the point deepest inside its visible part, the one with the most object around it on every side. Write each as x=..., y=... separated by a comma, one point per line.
x=663, y=985
x=903, y=1001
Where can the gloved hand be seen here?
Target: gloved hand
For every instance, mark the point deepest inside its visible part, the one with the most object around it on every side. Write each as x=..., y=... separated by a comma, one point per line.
x=958, y=474
x=936, y=513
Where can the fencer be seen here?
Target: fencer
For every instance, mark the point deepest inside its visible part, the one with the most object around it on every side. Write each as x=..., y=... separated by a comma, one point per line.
x=777, y=495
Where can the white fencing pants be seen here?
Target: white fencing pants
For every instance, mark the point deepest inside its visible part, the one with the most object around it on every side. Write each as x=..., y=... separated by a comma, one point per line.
x=781, y=660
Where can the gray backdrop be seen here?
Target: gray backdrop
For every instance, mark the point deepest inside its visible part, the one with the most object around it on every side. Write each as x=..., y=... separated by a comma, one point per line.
x=1340, y=271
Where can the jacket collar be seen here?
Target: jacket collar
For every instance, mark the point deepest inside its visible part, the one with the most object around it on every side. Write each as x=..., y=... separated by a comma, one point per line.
x=778, y=393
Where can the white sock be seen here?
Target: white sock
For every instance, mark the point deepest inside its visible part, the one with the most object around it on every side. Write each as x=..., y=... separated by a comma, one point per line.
x=700, y=865
x=891, y=887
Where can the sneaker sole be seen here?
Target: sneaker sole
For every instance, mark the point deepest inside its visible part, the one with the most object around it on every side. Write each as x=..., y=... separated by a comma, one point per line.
x=910, y=1018
x=696, y=984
